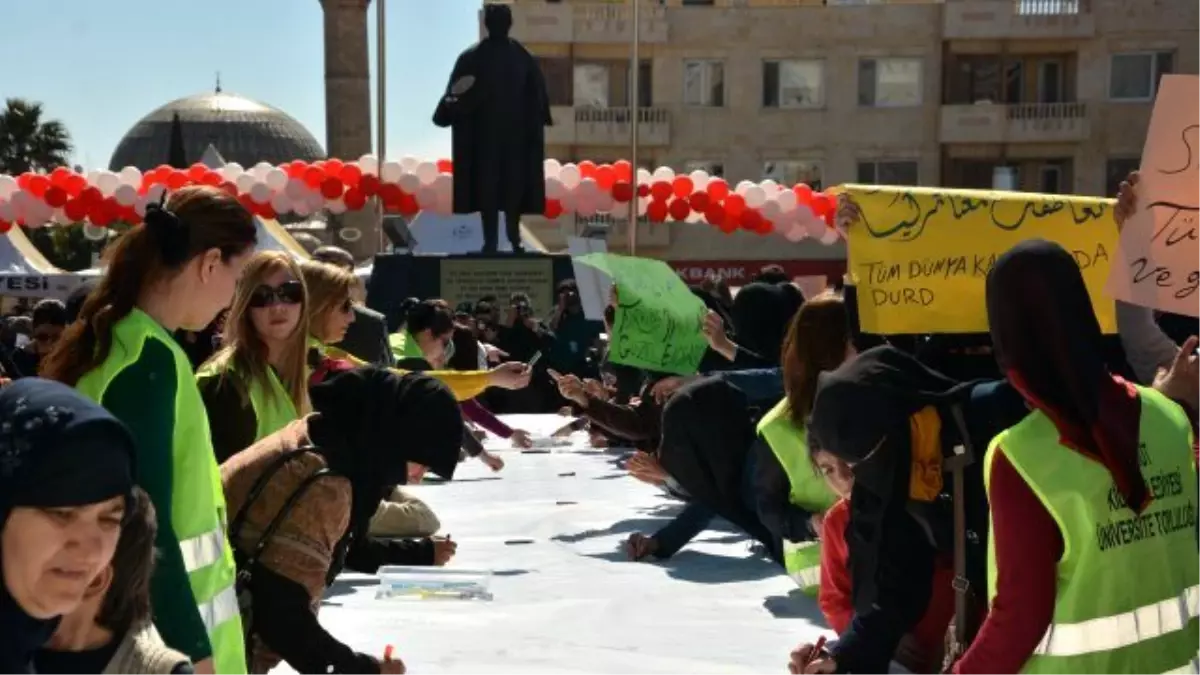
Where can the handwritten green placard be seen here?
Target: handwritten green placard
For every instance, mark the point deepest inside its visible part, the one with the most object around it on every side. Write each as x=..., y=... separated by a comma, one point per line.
x=658, y=319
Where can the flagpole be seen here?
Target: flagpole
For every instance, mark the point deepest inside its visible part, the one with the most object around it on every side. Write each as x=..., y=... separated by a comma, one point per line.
x=380, y=106
x=635, y=123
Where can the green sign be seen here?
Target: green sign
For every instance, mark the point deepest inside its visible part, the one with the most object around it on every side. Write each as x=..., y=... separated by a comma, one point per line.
x=658, y=318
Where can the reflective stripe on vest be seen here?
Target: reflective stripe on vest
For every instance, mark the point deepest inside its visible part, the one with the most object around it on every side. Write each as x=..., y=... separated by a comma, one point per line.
x=1128, y=587
x=203, y=550
x=1121, y=630
x=222, y=608
x=803, y=563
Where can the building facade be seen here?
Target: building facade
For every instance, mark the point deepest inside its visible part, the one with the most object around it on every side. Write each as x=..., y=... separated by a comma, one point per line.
x=1034, y=95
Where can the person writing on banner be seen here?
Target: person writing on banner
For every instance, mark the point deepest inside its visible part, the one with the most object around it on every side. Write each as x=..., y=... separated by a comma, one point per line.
x=1093, y=488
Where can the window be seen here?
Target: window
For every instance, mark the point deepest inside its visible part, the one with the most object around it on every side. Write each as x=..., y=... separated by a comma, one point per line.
x=715, y=169
x=591, y=85
x=1050, y=81
x=889, y=83
x=1134, y=77
x=704, y=83
x=791, y=171
x=891, y=172
x=1115, y=171
x=793, y=84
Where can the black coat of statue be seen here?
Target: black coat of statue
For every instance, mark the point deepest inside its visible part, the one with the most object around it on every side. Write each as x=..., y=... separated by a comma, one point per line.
x=497, y=114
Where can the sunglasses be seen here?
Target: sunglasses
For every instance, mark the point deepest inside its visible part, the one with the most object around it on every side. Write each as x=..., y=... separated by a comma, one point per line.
x=287, y=293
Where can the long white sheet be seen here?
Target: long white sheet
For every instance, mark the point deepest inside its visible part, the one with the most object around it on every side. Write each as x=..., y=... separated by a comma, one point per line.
x=570, y=602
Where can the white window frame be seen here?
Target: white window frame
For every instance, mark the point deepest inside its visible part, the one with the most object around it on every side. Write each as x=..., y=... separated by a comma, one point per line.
x=1154, y=54
x=896, y=160
x=879, y=61
x=777, y=173
x=706, y=83
x=781, y=101
x=705, y=165
x=602, y=101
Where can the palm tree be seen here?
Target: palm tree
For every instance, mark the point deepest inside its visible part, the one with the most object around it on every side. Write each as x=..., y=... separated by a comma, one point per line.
x=27, y=143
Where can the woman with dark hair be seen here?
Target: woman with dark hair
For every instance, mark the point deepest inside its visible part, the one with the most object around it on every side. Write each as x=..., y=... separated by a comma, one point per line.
x=111, y=631
x=177, y=271
x=1092, y=558
x=425, y=340
x=316, y=484
x=66, y=483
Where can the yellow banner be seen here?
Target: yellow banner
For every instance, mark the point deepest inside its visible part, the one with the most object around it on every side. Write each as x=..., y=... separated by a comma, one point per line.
x=919, y=256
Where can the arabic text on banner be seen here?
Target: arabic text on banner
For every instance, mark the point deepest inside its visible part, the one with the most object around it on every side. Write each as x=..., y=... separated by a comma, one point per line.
x=1158, y=261
x=920, y=256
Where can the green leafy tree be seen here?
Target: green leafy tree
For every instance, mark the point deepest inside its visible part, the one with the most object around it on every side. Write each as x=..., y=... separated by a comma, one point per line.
x=28, y=142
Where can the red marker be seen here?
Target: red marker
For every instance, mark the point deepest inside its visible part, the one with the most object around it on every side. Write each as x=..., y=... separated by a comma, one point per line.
x=387, y=653
x=816, y=652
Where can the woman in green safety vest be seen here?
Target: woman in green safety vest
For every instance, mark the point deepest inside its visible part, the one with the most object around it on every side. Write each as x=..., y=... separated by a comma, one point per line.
x=177, y=271
x=1093, y=495
x=257, y=383
x=426, y=338
x=791, y=494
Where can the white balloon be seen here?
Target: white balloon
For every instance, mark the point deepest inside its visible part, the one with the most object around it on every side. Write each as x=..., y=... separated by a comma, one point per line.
x=771, y=210
x=280, y=203
x=231, y=171
x=8, y=185
x=643, y=204
x=742, y=187
x=568, y=202
x=409, y=183
x=770, y=186
x=277, y=180
x=126, y=195
x=755, y=197
x=589, y=187
x=92, y=176
x=586, y=208
x=369, y=164
x=408, y=164
x=261, y=170
x=260, y=193
x=812, y=224
x=795, y=232
x=336, y=207
x=107, y=183
x=427, y=173
x=7, y=212
x=555, y=188
x=302, y=209
x=295, y=189
x=130, y=175
x=391, y=172
x=644, y=177
x=700, y=179
x=244, y=182
x=315, y=201
x=93, y=233
x=427, y=197
x=606, y=203
x=570, y=176
x=551, y=167
x=830, y=236
x=787, y=201
x=155, y=193
x=444, y=186
x=663, y=173
x=60, y=218
x=139, y=207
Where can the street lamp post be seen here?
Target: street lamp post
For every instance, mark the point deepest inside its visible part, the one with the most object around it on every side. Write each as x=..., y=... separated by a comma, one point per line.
x=380, y=104
x=635, y=123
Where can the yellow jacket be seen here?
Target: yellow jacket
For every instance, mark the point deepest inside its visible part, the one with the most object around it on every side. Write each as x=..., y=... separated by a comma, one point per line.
x=466, y=384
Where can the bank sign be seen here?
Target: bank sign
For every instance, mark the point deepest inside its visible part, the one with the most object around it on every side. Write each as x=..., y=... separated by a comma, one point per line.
x=38, y=285
x=740, y=272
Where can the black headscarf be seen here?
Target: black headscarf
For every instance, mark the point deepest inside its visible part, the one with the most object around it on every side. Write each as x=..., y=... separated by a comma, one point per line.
x=761, y=316
x=57, y=449
x=1049, y=345
x=861, y=415
x=371, y=422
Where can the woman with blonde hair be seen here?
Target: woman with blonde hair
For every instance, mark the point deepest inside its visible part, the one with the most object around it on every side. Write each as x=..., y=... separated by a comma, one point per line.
x=332, y=293
x=257, y=383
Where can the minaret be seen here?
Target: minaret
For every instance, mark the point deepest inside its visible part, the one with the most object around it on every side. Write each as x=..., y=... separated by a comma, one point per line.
x=348, y=104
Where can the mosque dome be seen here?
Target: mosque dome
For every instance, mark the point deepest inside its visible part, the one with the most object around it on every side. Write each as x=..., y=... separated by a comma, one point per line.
x=242, y=130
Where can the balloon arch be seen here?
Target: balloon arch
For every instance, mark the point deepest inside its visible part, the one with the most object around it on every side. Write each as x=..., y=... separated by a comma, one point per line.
x=408, y=185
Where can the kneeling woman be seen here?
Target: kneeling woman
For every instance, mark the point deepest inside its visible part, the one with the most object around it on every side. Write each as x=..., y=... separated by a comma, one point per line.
x=257, y=383
x=304, y=494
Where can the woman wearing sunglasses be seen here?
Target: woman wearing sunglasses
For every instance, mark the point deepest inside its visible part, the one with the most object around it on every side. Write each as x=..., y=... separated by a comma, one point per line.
x=257, y=383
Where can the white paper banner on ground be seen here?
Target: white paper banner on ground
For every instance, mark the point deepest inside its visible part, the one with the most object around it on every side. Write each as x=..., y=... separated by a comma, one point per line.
x=1158, y=259
x=594, y=285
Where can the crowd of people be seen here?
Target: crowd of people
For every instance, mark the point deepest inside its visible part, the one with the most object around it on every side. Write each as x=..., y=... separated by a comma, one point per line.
x=192, y=449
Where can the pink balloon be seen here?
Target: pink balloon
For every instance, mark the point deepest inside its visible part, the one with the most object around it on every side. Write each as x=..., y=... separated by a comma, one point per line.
x=795, y=232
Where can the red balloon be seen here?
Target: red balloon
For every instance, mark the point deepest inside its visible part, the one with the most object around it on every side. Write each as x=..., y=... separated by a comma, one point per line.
x=680, y=209
x=266, y=211
x=643, y=190
x=606, y=177
x=350, y=174
x=804, y=193
x=23, y=180
x=295, y=169
x=164, y=169
x=196, y=172
x=587, y=168
x=76, y=210
x=313, y=177
x=369, y=185
x=623, y=170
x=331, y=188
x=554, y=209
x=822, y=204
x=682, y=186
x=657, y=211
x=5, y=226
x=212, y=179
x=718, y=189
x=38, y=185
x=76, y=184
x=390, y=193
x=176, y=180
x=661, y=191
x=229, y=188
x=700, y=202
x=622, y=191
x=729, y=226
x=90, y=196
x=445, y=166
x=333, y=167
x=59, y=176
x=55, y=196
x=735, y=205
x=248, y=204
x=715, y=214
x=355, y=199
x=408, y=204
x=750, y=219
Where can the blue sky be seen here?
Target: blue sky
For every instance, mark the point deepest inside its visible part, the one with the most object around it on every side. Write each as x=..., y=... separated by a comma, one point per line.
x=100, y=66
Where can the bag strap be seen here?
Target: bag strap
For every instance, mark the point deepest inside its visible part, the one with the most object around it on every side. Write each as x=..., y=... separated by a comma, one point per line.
x=282, y=514
x=260, y=484
x=964, y=456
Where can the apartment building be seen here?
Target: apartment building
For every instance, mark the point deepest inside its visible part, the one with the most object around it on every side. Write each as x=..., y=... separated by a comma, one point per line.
x=1038, y=95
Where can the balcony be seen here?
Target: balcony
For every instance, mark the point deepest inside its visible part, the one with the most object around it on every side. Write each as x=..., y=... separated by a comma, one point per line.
x=585, y=23
x=1018, y=19
x=1017, y=123
x=607, y=126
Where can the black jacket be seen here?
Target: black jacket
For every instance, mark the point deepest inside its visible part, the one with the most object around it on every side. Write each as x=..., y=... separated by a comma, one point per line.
x=367, y=337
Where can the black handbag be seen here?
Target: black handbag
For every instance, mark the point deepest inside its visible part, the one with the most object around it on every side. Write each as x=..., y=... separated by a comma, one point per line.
x=247, y=561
